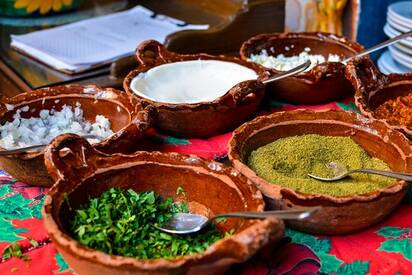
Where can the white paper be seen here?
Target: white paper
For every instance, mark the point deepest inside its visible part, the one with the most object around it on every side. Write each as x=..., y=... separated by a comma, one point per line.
x=100, y=40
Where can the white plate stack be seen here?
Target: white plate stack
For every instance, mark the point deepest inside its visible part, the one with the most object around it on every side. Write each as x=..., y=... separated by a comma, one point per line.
x=398, y=59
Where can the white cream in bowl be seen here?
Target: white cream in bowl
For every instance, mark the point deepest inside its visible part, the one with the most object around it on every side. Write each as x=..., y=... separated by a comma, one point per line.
x=191, y=81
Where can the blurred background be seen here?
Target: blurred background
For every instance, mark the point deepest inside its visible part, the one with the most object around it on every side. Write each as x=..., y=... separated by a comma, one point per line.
x=230, y=23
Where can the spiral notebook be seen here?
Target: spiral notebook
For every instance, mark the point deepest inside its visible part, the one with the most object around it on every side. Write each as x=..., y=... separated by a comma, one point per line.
x=91, y=43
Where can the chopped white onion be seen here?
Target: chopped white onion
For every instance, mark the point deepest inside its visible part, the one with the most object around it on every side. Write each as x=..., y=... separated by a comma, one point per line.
x=285, y=63
x=23, y=132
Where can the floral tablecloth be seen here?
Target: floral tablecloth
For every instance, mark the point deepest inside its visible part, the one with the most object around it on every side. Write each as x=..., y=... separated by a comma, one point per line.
x=383, y=249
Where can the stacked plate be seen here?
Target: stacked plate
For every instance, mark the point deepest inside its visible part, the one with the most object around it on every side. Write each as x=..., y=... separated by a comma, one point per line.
x=398, y=59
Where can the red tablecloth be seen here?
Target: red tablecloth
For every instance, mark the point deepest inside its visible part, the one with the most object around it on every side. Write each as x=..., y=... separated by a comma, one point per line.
x=382, y=249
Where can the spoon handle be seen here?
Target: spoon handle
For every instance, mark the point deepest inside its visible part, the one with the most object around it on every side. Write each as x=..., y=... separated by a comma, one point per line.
x=396, y=175
x=280, y=214
x=291, y=72
x=21, y=150
x=379, y=46
x=34, y=147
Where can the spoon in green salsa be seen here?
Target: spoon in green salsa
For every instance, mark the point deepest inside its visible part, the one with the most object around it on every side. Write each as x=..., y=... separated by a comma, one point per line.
x=340, y=171
x=186, y=223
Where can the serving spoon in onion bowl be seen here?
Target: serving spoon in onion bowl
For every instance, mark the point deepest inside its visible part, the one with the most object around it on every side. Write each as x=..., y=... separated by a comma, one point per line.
x=379, y=46
x=35, y=148
x=187, y=223
x=298, y=69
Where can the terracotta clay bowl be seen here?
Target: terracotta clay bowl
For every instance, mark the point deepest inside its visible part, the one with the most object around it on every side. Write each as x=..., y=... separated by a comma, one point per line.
x=323, y=83
x=339, y=215
x=83, y=173
x=374, y=88
x=201, y=119
x=128, y=121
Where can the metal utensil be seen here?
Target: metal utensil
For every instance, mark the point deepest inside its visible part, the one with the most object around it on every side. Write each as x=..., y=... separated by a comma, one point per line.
x=340, y=172
x=186, y=223
x=288, y=73
x=379, y=46
x=35, y=148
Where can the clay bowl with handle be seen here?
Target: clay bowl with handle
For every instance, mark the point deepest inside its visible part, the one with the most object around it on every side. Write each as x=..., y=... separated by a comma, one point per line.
x=204, y=117
x=339, y=214
x=81, y=173
x=127, y=117
x=323, y=83
x=374, y=89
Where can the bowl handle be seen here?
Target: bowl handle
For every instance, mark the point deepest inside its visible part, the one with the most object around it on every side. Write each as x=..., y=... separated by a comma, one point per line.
x=145, y=117
x=152, y=53
x=70, y=157
x=120, y=141
x=364, y=76
x=246, y=91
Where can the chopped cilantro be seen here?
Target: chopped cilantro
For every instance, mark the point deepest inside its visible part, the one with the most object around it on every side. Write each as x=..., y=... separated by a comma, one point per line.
x=181, y=191
x=33, y=242
x=14, y=250
x=120, y=222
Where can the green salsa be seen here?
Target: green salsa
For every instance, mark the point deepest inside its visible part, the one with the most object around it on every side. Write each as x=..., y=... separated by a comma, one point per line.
x=287, y=161
x=120, y=222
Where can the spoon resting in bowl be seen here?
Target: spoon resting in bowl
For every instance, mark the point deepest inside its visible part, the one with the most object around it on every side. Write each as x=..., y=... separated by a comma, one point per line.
x=35, y=148
x=379, y=46
x=340, y=172
x=298, y=69
x=187, y=223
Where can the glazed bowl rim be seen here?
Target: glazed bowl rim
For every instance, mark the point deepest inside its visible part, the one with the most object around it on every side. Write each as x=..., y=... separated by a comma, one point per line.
x=186, y=67
x=65, y=91
x=392, y=79
x=235, y=159
x=139, y=158
x=260, y=71
x=330, y=38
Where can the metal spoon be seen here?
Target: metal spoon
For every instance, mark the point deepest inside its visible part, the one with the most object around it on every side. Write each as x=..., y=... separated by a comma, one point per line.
x=288, y=73
x=186, y=223
x=379, y=46
x=340, y=172
x=35, y=148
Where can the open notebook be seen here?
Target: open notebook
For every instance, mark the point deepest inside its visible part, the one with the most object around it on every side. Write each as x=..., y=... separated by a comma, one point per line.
x=91, y=43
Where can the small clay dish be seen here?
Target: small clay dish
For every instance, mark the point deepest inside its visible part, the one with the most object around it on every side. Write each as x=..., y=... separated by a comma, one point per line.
x=374, y=89
x=339, y=215
x=81, y=173
x=323, y=83
x=127, y=117
x=197, y=95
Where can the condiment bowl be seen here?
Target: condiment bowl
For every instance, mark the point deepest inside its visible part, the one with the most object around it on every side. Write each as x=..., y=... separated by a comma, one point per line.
x=81, y=172
x=374, y=89
x=324, y=82
x=128, y=121
x=339, y=215
x=210, y=115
